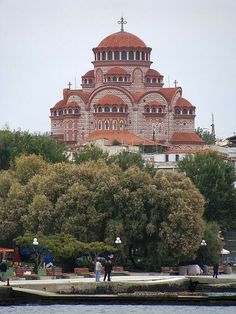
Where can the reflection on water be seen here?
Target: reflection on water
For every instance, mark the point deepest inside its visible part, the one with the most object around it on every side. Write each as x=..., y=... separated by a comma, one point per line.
x=117, y=309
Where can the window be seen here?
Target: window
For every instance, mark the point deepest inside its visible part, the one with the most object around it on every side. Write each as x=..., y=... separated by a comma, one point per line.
x=137, y=55
x=117, y=55
x=185, y=111
x=114, y=125
x=121, y=109
x=176, y=157
x=131, y=55
x=177, y=111
x=166, y=158
x=99, y=125
x=123, y=55
x=126, y=79
x=99, y=109
x=148, y=109
x=120, y=79
x=190, y=111
x=60, y=112
x=109, y=55
x=109, y=79
x=106, y=125
x=154, y=80
x=114, y=79
x=148, y=80
x=154, y=110
x=90, y=81
x=159, y=110
x=70, y=111
x=143, y=55
x=103, y=55
x=106, y=109
x=114, y=109
x=55, y=113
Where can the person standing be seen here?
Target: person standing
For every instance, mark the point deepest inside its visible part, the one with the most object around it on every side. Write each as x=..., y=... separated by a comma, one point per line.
x=215, y=270
x=108, y=269
x=3, y=270
x=98, y=269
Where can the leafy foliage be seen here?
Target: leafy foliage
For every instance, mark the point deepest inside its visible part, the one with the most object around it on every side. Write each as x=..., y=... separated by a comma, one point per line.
x=205, y=135
x=90, y=152
x=214, y=177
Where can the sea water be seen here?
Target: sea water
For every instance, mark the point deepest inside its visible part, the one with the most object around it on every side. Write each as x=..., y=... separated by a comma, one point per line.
x=117, y=309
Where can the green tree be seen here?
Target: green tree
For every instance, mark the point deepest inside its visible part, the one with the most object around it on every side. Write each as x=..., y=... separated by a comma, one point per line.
x=214, y=177
x=127, y=159
x=205, y=135
x=90, y=152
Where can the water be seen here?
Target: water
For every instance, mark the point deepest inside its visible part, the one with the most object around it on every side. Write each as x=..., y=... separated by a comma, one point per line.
x=117, y=309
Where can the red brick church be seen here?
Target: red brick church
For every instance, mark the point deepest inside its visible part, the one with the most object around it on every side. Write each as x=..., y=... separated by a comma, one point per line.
x=122, y=98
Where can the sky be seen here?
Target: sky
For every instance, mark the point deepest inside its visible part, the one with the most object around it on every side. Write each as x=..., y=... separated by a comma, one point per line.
x=44, y=44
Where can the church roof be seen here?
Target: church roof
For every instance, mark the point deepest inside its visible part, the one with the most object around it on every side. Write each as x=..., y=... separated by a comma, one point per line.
x=72, y=104
x=110, y=100
x=89, y=74
x=122, y=39
x=116, y=71
x=123, y=137
x=154, y=103
x=60, y=104
x=169, y=92
x=186, y=138
x=182, y=102
x=153, y=73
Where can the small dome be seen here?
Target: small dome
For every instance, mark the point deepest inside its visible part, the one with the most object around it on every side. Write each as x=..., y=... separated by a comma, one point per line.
x=72, y=104
x=182, y=102
x=110, y=100
x=116, y=71
x=153, y=73
x=89, y=74
x=59, y=105
x=154, y=103
x=122, y=39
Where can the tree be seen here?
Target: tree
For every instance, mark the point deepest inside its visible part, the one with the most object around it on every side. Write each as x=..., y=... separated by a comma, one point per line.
x=13, y=144
x=214, y=177
x=205, y=135
x=127, y=159
x=90, y=152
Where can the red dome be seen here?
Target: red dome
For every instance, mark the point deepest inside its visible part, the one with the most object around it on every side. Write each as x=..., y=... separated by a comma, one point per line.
x=153, y=73
x=182, y=102
x=110, y=100
x=121, y=39
x=116, y=71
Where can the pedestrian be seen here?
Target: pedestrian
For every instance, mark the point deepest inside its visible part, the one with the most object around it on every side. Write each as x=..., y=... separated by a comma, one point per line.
x=108, y=269
x=215, y=270
x=3, y=270
x=98, y=269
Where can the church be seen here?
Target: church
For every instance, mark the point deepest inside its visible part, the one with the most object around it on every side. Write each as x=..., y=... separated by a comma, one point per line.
x=122, y=100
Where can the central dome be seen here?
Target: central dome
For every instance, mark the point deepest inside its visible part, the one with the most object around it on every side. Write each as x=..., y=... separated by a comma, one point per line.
x=121, y=39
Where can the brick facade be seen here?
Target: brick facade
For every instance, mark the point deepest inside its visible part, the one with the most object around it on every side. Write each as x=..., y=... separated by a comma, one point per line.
x=146, y=108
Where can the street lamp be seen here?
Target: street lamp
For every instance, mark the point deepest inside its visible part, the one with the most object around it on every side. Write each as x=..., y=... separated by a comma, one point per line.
x=35, y=244
x=118, y=242
x=203, y=246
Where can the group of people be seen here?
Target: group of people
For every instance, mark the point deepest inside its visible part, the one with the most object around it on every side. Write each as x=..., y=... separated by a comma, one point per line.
x=107, y=270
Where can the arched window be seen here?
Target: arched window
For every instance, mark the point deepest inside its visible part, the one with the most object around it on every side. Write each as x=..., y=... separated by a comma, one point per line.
x=121, y=109
x=103, y=55
x=126, y=79
x=148, y=109
x=90, y=81
x=123, y=55
x=117, y=55
x=190, y=111
x=154, y=109
x=99, y=109
x=109, y=79
x=60, y=112
x=114, y=125
x=55, y=113
x=99, y=125
x=121, y=124
x=120, y=79
x=131, y=55
x=106, y=109
x=114, y=79
x=143, y=55
x=184, y=111
x=85, y=81
x=177, y=111
x=76, y=110
x=137, y=55
x=109, y=55
x=114, y=109
x=148, y=80
x=98, y=57
x=106, y=125
x=70, y=111
x=160, y=110
x=154, y=80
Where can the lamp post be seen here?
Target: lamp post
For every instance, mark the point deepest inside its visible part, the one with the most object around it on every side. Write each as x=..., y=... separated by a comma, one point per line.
x=35, y=244
x=118, y=243
x=203, y=247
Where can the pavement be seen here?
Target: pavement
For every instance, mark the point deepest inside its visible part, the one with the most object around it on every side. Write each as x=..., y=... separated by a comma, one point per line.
x=143, y=277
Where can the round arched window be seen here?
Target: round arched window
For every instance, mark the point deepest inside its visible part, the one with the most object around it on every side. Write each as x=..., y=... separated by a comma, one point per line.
x=107, y=109
x=114, y=109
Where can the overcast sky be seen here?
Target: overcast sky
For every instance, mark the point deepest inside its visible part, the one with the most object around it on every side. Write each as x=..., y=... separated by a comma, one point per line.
x=47, y=43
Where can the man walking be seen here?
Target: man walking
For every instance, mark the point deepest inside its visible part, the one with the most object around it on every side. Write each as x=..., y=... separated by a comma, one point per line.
x=108, y=269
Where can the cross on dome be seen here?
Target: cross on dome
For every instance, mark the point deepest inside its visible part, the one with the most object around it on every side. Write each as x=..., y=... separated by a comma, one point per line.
x=122, y=22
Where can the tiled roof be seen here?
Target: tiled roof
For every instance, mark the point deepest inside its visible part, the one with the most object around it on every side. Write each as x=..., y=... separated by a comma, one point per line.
x=169, y=92
x=188, y=151
x=60, y=104
x=137, y=96
x=116, y=71
x=154, y=103
x=89, y=74
x=123, y=137
x=72, y=104
x=182, y=102
x=186, y=138
x=121, y=39
x=110, y=100
x=153, y=73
